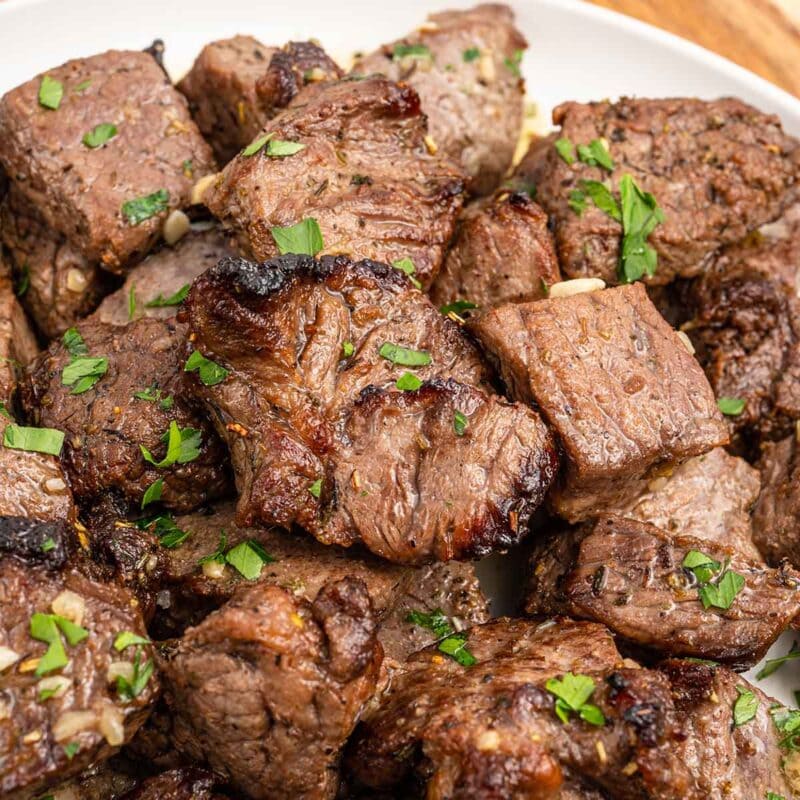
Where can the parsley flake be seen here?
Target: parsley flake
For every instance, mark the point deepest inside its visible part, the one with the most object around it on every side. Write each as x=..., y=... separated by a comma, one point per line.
x=347, y=349
x=125, y=639
x=452, y=644
x=718, y=586
x=460, y=423
x=129, y=690
x=100, y=134
x=83, y=372
x=471, y=54
x=731, y=406
x=153, y=493
x=565, y=150
x=572, y=693
x=595, y=154
x=218, y=556
x=774, y=664
x=50, y=93
x=404, y=356
x=458, y=307
x=305, y=238
x=183, y=446
x=640, y=217
x=33, y=440
x=411, y=51
x=315, y=489
x=140, y=209
x=745, y=708
x=173, y=300
x=210, y=372
x=408, y=382
x=248, y=558
x=406, y=265
x=513, y=63
x=71, y=750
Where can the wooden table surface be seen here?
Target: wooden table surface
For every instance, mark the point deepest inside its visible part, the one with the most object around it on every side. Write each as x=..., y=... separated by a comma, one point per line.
x=761, y=35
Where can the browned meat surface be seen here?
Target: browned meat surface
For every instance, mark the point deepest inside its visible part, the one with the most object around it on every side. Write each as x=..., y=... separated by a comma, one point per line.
x=318, y=433
x=17, y=342
x=718, y=170
x=708, y=497
x=630, y=576
x=303, y=566
x=58, y=628
x=614, y=381
x=236, y=85
x=502, y=253
x=740, y=762
x=103, y=781
x=465, y=66
x=776, y=519
x=80, y=190
x=164, y=275
x=268, y=688
x=490, y=731
x=744, y=321
x=364, y=174
x=107, y=425
x=60, y=285
x=177, y=784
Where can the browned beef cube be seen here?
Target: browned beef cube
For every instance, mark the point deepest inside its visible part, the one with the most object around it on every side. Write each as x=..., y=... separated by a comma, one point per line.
x=718, y=170
x=630, y=576
x=268, y=688
x=17, y=342
x=154, y=287
x=502, y=253
x=56, y=284
x=63, y=708
x=185, y=783
x=322, y=434
x=85, y=191
x=106, y=424
x=364, y=174
x=465, y=65
x=236, y=85
x=614, y=381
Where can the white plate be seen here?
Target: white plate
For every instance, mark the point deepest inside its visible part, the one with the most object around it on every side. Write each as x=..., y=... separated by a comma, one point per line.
x=578, y=52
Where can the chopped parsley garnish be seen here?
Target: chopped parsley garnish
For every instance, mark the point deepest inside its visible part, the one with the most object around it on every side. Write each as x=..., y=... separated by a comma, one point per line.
x=169, y=534
x=50, y=93
x=731, y=406
x=718, y=586
x=173, y=300
x=577, y=201
x=471, y=54
x=255, y=145
x=458, y=307
x=153, y=493
x=565, y=150
x=601, y=196
x=745, y=708
x=141, y=209
x=451, y=643
x=83, y=85
x=315, y=489
x=154, y=395
x=5, y=413
x=460, y=423
x=787, y=721
x=183, y=446
x=83, y=372
x=408, y=382
x=71, y=750
x=49, y=628
x=572, y=693
x=407, y=265
x=100, y=134
x=48, y=544
x=774, y=664
x=595, y=154
x=24, y=282
x=305, y=238
x=773, y=796
x=209, y=371
x=74, y=343
x=33, y=440
x=218, y=556
x=125, y=639
x=404, y=356
x=361, y=180
x=347, y=349
x=132, y=302
x=640, y=217
x=129, y=690
x=280, y=148
x=411, y=51
x=513, y=63
x=248, y=558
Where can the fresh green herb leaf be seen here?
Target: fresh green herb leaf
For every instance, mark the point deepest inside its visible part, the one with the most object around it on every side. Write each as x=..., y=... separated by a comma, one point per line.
x=187, y=168
x=280, y=148
x=24, y=282
x=411, y=51
x=50, y=93
x=46, y=694
x=169, y=534
x=143, y=208
x=153, y=493
x=74, y=634
x=408, y=382
x=45, y=628
x=774, y=664
x=773, y=796
x=404, y=356
x=514, y=62
x=731, y=406
x=704, y=567
x=361, y=180
x=305, y=238
x=347, y=349
x=640, y=217
x=183, y=446
x=460, y=423
x=173, y=300
x=577, y=201
x=71, y=750
x=565, y=150
x=218, y=556
x=458, y=307
x=256, y=145
x=471, y=54
x=455, y=646
x=572, y=693
x=132, y=302
x=83, y=372
x=315, y=490
x=787, y=721
x=74, y=343
x=248, y=558
x=723, y=593
x=33, y=440
x=100, y=134
x=745, y=708
x=601, y=196
x=436, y=622
x=407, y=265
x=209, y=371
x=48, y=544
x=595, y=154
x=4, y=412
x=129, y=690
x=125, y=639
x=154, y=395
x=83, y=86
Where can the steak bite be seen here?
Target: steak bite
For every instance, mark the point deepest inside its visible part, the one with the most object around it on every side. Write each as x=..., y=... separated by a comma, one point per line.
x=186, y=783
x=236, y=85
x=665, y=593
x=614, y=381
x=64, y=707
x=17, y=342
x=106, y=189
x=313, y=353
x=491, y=731
x=268, y=689
x=118, y=416
x=502, y=253
x=718, y=170
x=302, y=566
x=465, y=66
x=364, y=174
x=155, y=287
